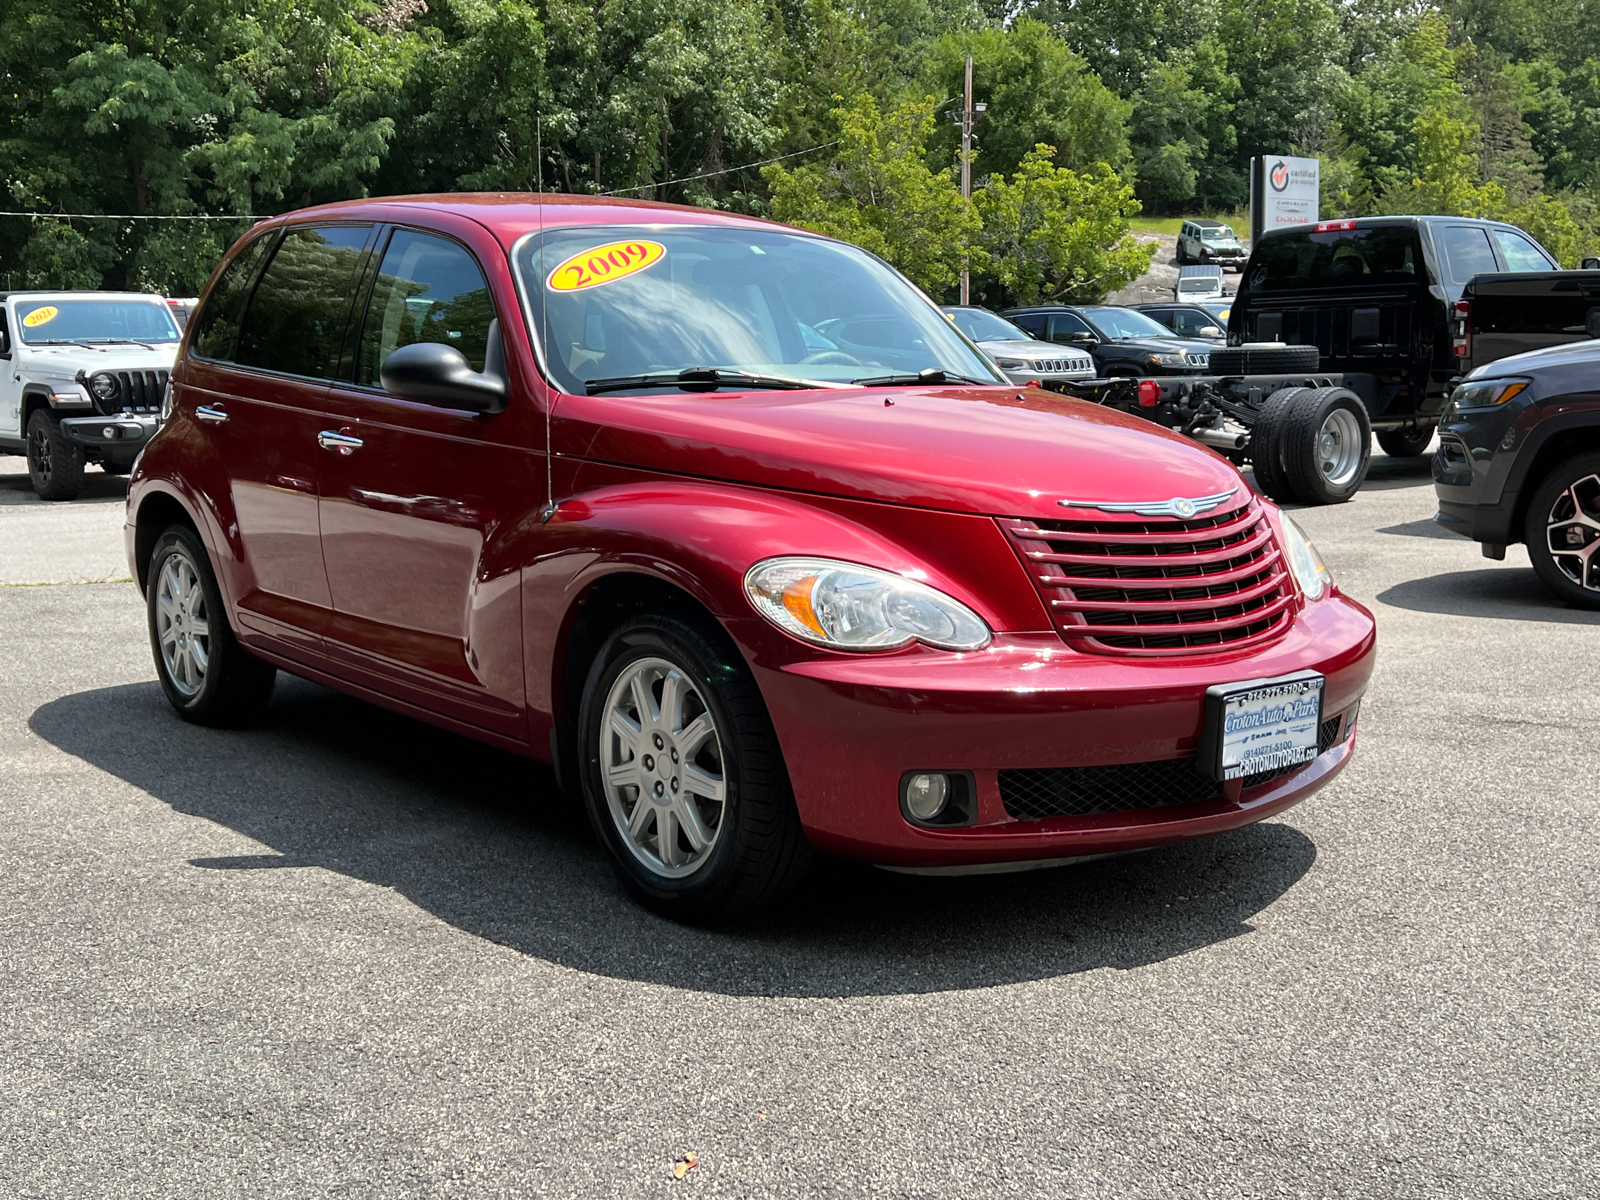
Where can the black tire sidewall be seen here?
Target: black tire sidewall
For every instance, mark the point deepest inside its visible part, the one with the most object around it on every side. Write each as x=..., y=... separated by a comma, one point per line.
x=66, y=458
x=708, y=889
x=1397, y=443
x=1266, y=446
x=1535, y=539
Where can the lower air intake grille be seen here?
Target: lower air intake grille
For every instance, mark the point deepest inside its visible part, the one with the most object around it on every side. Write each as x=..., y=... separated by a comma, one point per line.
x=1033, y=795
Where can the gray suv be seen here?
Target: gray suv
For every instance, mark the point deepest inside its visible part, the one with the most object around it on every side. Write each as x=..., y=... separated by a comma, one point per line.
x=1202, y=241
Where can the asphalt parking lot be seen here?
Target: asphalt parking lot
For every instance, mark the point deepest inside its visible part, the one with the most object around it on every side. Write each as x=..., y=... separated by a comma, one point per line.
x=347, y=955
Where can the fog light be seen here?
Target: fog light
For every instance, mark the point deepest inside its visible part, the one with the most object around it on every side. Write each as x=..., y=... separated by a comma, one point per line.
x=926, y=796
x=109, y=433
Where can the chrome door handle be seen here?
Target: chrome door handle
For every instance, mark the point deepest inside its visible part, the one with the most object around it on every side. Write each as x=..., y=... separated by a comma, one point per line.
x=212, y=415
x=330, y=439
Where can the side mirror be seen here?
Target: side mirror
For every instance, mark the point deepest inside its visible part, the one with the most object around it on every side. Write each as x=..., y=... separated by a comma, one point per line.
x=433, y=373
x=1210, y=331
x=1590, y=264
x=1087, y=340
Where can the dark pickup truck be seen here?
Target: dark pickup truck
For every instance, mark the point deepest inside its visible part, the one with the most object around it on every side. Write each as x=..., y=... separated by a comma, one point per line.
x=1338, y=330
x=1500, y=315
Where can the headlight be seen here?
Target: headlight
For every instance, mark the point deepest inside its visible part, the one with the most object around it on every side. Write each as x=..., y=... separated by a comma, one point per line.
x=1304, y=561
x=1011, y=364
x=1167, y=360
x=1486, y=393
x=103, y=385
x=848, y=607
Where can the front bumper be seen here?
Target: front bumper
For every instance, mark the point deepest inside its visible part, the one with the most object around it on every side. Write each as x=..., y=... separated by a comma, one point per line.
x=1045, y=378
x=120, y=431
x=851, y=727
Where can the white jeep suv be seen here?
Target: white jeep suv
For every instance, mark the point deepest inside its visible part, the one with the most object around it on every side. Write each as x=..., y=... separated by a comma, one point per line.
x=81, y=381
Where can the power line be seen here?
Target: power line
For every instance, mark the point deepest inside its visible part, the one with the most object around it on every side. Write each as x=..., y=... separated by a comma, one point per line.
x=55, y=216
x=728, y=171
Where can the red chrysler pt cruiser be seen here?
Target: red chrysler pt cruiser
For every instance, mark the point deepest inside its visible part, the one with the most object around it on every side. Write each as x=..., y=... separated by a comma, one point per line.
x=729, y=523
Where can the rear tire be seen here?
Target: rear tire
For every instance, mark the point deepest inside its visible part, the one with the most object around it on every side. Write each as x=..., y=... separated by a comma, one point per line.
x=55, y=461
x=683, y=777
x=207, y=676
x=1564, y=510
x=1327, y=445
x=1405, y=443
x=1266, y=446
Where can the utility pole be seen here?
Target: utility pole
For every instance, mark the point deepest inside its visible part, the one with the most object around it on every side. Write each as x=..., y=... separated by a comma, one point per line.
x=970, y=112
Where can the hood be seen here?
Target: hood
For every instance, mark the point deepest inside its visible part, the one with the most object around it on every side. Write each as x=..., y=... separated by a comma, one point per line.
x=1569, y=354
x=996, y=451
x=1155, y=345
x=69, y=360
x=1028, y=348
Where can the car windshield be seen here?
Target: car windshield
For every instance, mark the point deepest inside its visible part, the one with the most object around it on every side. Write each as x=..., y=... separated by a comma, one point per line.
x=1215, y=233
x=1125, y=323
x=1202, y=283
x=616, y=304
x=983, y=326
x=46, y=321
x=1334, y=258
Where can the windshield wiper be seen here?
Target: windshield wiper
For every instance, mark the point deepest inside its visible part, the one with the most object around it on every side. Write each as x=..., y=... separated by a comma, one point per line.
x=64, y=342
x=119, y=342
x=931, y=375
x=705, y=379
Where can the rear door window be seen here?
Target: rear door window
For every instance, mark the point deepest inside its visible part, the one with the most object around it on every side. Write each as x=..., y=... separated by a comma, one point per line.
x=297, y=317
x=429, y=289
x=1336, y=258
x=1466, y=252
x=217, y=324
x=1521, y=254
x=1064, y=326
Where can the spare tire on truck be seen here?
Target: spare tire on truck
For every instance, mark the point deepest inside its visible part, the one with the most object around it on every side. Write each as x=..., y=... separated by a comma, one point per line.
x=1265, y=358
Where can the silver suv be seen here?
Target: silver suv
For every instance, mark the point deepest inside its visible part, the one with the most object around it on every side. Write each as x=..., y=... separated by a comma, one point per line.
x=82, y=381
x=1202, y=241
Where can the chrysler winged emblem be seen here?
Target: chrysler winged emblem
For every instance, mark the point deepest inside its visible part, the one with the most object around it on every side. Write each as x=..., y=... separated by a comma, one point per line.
x=1178, y=506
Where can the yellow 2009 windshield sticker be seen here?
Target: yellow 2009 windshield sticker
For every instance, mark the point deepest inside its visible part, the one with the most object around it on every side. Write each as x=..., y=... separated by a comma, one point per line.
x=40, y=315
x=604, y=264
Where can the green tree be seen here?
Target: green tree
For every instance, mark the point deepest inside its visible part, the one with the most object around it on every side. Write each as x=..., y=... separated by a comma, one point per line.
x=1037, y=89
x=878, y=191
x=1051, y=233
x=1183, y=137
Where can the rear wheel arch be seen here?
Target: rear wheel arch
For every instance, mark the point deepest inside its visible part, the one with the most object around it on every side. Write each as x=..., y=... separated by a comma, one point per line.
x=156, y=513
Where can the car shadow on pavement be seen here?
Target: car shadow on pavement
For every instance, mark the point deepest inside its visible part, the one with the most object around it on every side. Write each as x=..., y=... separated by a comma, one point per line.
x=98, y=487
x=1500, y=592
x=483, y=840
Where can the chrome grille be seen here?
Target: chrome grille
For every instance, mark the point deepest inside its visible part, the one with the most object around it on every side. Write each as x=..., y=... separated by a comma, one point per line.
x=1154, y=587
x=1198, y=360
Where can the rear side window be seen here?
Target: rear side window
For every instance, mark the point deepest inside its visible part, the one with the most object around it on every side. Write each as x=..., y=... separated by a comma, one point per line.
x=296, y=319
x=1063, y=326
x=1336, y=258
x=1466, y=252
x=429, y=289
x=1521, y=254
x=217, y=324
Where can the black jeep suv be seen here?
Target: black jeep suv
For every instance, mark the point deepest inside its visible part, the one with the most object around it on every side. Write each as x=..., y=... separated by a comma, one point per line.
x=1519, y=461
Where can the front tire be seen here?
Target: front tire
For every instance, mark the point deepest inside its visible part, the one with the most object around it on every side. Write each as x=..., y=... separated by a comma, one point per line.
x=55, y=461
x=1405, y=443
x=683, y=778
x=1562, y=531
x=1266, y=446
x=206, y=675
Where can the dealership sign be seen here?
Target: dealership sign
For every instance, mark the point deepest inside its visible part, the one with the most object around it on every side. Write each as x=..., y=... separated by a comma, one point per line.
x=1284, y=191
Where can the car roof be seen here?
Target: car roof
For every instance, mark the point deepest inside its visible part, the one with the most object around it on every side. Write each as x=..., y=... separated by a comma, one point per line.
x=1207, y=269
x=76, y=295
x=510, y=215
x=1207, y=223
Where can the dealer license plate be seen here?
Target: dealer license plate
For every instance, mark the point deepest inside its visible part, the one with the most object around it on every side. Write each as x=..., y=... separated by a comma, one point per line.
x=1262, y=725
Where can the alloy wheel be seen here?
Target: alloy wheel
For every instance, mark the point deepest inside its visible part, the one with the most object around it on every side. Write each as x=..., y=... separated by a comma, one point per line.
x=661, y=767
x=1339, y=447
x=1572, y=532
x=39, y=455
x=183, y=624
